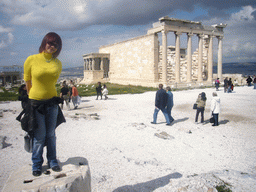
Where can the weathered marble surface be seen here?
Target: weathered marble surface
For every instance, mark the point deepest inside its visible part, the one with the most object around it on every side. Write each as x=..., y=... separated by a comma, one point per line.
x=75, y=176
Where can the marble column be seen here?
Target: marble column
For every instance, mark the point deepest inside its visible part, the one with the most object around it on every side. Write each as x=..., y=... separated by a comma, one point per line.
x=220, y=58
x=210, y=59
x=200, y=58
x=85, y=65
x=90, y=64
x=164, y=57
x=177, y=57
x=101, y=63
x=93, y=64
x=189, y=58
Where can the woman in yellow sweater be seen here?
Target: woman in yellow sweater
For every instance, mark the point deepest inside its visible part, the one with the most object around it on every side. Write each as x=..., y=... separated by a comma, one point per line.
x=41, y=72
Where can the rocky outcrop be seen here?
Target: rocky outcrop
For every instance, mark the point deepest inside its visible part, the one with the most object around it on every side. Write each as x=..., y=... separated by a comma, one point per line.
x=74, y=176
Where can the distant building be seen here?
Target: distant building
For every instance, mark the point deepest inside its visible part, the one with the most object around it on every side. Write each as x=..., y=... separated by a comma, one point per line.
x=10, y=74
x=143, y=61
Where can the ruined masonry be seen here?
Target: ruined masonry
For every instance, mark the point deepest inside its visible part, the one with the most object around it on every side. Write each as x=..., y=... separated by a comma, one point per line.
x=142, y=61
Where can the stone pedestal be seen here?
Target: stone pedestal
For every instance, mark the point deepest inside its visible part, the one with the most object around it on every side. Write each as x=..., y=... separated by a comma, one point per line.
x=75, y=176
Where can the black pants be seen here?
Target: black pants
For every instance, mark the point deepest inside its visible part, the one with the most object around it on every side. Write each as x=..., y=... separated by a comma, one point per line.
x=216, y=119
x=99, y=94
x=200, y=110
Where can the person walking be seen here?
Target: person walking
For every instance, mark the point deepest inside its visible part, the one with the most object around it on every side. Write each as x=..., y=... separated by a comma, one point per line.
x=64, y=94
x=70, y=89
x=215, y=108
x=217, y=84
x=201, y=102
x=249, y=81
x=105, y=92
x=99, y=90
x=74, y=96
x=41, y=72
x=160, y=104
x=254, y=82
x=170, y=104
x=225, y=85
x=230, y=85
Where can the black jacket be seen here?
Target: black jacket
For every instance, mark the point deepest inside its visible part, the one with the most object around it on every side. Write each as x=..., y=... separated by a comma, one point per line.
x=161, y=99
x=28, y=120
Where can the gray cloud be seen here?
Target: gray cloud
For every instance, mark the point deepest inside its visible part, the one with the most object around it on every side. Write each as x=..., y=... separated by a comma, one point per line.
x=70, y=15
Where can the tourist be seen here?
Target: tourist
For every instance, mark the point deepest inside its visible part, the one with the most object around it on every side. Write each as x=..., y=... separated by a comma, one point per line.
x=105, y=92
x=70, y=89
x=41, y=72
x=254, y=82
x=23, y=97
x=64, y=94
x=74, y=96
x=201, y=102
x=215, y=108
x=230, y=86
x=169, y=104
x=98, y=90
x=249, y=81
x=160, y=104
x=217, y=84
x=225, y=85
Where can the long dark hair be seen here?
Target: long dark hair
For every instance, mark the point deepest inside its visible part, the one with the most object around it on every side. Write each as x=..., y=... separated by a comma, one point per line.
x=51, y=37
x=203, y=96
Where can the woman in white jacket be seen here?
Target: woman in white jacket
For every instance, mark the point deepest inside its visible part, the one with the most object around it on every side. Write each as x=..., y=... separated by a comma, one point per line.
x=105, y=92
x=215, y=108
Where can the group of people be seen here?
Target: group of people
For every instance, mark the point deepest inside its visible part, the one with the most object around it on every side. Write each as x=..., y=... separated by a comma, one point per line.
x=249, y=81
x=228, y=85
x=69, y=93
x=215, y=107
x=101, y=90
x=41, y=72
x=164, y=102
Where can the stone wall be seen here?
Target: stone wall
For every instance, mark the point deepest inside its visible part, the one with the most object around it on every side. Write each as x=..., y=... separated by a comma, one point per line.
x=183, y=64
x=134, y=61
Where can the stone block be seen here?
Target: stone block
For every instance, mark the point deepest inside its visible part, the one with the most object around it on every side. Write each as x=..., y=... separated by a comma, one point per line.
x=74, y=176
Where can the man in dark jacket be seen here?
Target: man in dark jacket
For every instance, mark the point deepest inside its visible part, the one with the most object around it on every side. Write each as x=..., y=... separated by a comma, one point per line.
x=160, y=104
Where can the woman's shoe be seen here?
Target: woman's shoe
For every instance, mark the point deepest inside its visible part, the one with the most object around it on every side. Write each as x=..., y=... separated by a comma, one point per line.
x=56, y=168
x=37, y=173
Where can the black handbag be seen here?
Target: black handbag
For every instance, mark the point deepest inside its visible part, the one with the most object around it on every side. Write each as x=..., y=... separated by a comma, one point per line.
x=195, y=106
x=212, y=120
x=28, y=143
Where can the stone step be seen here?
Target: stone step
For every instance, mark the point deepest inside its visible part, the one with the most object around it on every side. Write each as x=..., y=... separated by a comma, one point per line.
x=74, y=176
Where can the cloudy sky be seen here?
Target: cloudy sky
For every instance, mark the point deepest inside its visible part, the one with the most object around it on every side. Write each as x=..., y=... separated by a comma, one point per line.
x=85, y=25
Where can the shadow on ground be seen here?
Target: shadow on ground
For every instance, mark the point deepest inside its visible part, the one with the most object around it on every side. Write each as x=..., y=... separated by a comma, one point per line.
x=175, y=121
x=224, y=122
x=220, y=122
x=84, y=100
x=149, y=186
x=180, y=120
x=86, y=107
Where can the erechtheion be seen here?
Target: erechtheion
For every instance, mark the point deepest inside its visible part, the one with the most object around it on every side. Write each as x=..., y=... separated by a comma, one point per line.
x=142, y=61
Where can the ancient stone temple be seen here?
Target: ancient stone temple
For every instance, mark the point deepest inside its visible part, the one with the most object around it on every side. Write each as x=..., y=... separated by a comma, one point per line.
x=143, y=61
x=10, y=75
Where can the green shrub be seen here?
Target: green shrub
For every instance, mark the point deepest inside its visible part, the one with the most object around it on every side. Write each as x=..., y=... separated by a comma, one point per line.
x=113, y=89
x=9, y=95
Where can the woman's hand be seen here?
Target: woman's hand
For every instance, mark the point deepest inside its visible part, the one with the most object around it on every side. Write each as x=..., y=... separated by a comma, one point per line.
x=28, y=86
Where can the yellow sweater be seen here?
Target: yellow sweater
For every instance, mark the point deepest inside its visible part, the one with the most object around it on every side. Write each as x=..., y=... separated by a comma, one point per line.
x=43, y=75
